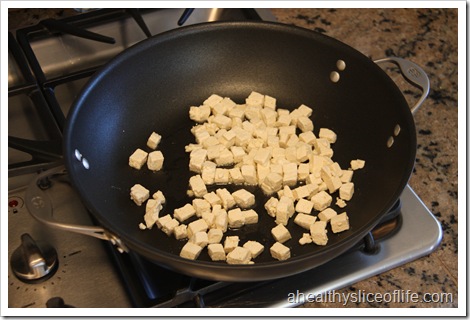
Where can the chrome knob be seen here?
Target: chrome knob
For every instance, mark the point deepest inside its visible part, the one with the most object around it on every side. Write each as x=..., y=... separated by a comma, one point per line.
x=33, y=260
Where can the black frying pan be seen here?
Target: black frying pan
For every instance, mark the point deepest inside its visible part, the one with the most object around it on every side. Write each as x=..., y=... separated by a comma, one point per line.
x=151, y=86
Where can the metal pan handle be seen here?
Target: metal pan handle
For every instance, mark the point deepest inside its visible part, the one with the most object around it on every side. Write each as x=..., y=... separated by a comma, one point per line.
x=39, y=205
x=412, y=73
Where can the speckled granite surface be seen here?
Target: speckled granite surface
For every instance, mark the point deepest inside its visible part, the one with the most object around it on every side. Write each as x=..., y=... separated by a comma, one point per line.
x=429, y=38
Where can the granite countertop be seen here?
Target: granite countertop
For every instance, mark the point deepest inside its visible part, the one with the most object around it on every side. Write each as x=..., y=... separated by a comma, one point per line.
x=427, y=37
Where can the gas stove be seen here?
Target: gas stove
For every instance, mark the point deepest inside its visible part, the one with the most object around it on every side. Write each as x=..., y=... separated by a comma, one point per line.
x=48, y=65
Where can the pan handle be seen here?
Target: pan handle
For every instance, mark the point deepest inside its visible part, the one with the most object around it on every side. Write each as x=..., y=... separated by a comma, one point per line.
x=39, y=205
x=412, y=73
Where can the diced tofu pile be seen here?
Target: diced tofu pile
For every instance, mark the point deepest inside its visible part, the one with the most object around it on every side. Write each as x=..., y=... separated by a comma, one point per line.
x=252, y=144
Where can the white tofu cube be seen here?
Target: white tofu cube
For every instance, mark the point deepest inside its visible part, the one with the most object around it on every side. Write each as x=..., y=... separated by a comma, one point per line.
x=346, y=191
x=236, y=176
x=238, y=153
x=255, y=99
x=239, y=255
x=283, y=120
x=262, y=156
x=318, y=233
x=327, y=134
x=244, y=198
x=304, y=124
x=139, y=194
x=303, y=171
x=357, y=164
x=236, y=219
x=216, y=252
x=158, y=195
x=327, y=214
x=221, y=220
x=226, y=197
x=225, y=158
x=152, y=210
x=197, y=226
x=340, y=203
x=339, y=222
x=254, y=247
x=163, y=220
x=271, y=206
x=212, y=100
x=280, y=233
x=209, y=217
x=304, y=206
x=272, y=183
x=290, y=174
x=304, y=110
x=200, y=238
x=301, y=192
x=223, y=106
x=308, y=137
x=321, y=200
x=197, y=185
x=138, y=159
x=285, y=209
x=199, y=114
x=208, y=172
x=279, y=251
x=184, y=213
x=190, y=251
x=181, y=232
x=347, y=176
x=251, y=217
x=154, y=140
x=269, y=102
x=306, y=239
x=215, y=235
x=197, y=158
x=169, y=226
x=332, y=181
x=230, y=243
x=155, y=160
x=249, y=174
x=201, y=206
x=222, y=176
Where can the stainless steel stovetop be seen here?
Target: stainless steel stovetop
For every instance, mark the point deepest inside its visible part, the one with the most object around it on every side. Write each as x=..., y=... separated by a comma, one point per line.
x=87, y=274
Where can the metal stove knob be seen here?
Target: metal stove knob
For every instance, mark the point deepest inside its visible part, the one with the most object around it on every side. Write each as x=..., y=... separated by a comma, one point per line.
x=33, y=260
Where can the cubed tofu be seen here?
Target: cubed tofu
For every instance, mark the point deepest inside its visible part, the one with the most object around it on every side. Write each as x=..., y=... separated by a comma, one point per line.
x=301, y=192
x=255, y=99
x=200, y=238
x=236, y=219
x=304, y=206
x=307, y=137
x=269, y=102
x=181, y=232
x=304, y=220
x=230, y=243
x=214, y=235
x=285, y=209
x=321, y=200
x=199, y=114
x=304, y=124
x=251, y=217
x=169, y=226
x=339, y=222
x=357, y=164
x=271, y=206
x=281, y=233
x=236, y=176
x=201, y=206
x=332, y=181
x=249, y=174
x=155, y=160
x=208, y=172
x=196, y=226
x=244, y=198
x=327, y=214
x=327, y=134
x=212, y=198
x=222, y=176
x=197, y=158
x=272, y=183
x=139, y=194
x=290, y=174
x=226, y=197
x=138, y=159
x=223, y=106
x=154, y=140
x=306, y=239
x=212, y=100
x=340, y=203
x=158, y=195
x=224, y=158
x=190, y=251
x=318, y=233
x=184, y=213
x=152, y=210
x=279, y=251
x=163, y=220
x=347, y=176
x=255, y=248
x=239, y=255
x=221, y=220
x=238, y=153
x=216, y=252
x=303, y=171
x=197, y=185
x=346, y=191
